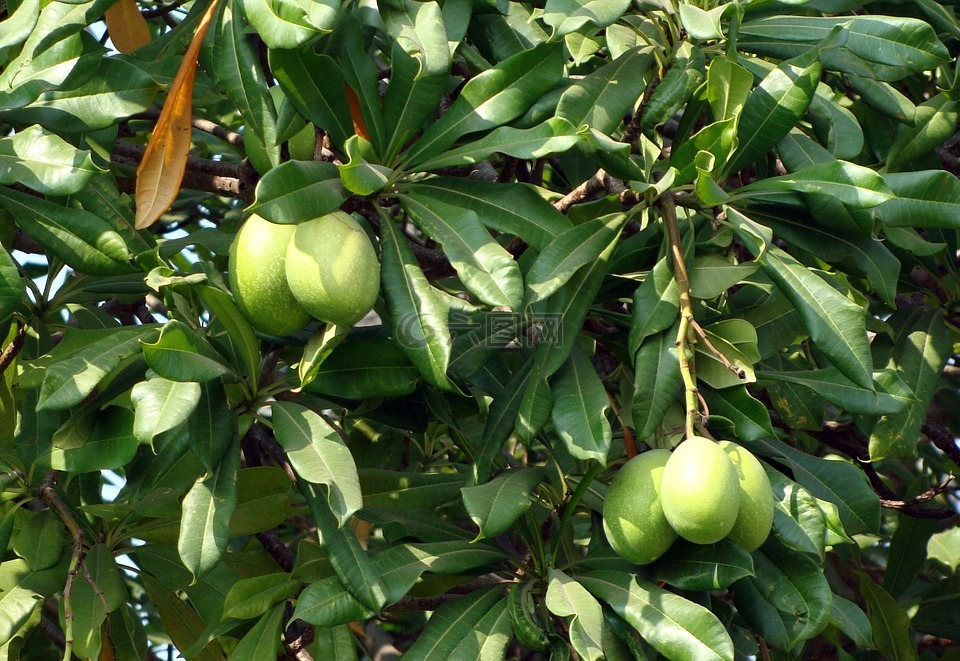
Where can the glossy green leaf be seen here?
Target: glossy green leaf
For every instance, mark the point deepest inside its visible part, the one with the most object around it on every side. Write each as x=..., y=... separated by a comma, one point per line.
x=656, y=304
x=103, y=592
x=920, y=350
x=110, y=444
x=928, y=198
x=728, y=86
x=749, y=418
x=837, y=389
x=314, y=83
x=717, y=566
x=252, y=597
x=789, y=599
x=580, y=410
x=328, y=603
x=317, y=453
x=511, y=208
x=686, y=73
x=567, y=598
x=798, y=521
x=40, y=539
x=358, y=174
x=44, y=162
x=712, y=275
x=491, y=99
x=402, y=566
x=416, y=87
x=502, y=417
x=856, y=186
x=20, y=23
x=418, y=317
x=880, y=47
x=909, y=549
x=361, y=74
x=568, y=253
x=566, y=16
x=179, y=354
x=408, y=490
x=212, y=425
x=207, y=508
x=933, y=124
x=657, y=381
x=602, y=98
x=675, y=627
x=222, y=307
x=495, y=506
x=79, y=238
x=455, y=621
x=75, y=374
x=179, y=618
x=262, y=641
x=852, y=621
x=160, y=405
x=290, y=23
x=365, y=368
x=297, y=191
x=485, y=268
x=889, y=622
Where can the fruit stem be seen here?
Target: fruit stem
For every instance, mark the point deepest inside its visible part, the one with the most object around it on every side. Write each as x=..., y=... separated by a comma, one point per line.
x=685, y=337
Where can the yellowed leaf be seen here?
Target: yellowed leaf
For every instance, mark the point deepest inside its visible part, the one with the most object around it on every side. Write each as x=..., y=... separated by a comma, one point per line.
x=126, y=26
x=165, y=159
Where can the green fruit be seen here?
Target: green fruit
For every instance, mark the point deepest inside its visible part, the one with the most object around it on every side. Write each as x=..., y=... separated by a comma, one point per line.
x=332, y=269
x=258, y=277
x=700, y=491
x=755, y=517
x=632, y=516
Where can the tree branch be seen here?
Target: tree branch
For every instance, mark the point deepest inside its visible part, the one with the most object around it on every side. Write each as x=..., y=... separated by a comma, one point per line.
x=601, y=181
x=11, y=350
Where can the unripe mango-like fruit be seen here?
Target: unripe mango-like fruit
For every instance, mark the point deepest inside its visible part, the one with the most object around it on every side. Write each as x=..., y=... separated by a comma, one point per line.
x=633, y=519
x=258, y=278
x=755, y=517
x=700, y=491
x=332, y=269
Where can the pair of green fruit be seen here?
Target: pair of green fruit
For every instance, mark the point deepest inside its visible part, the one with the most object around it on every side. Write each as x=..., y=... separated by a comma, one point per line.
x=284, y=275
x=702, y=491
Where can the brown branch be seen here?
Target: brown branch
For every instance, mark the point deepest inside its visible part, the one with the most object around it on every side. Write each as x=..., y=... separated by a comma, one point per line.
x=162, y=10
x=11, y=350
x=200, y=124
x=911, y=506
x=942, y=438
x=599, y=182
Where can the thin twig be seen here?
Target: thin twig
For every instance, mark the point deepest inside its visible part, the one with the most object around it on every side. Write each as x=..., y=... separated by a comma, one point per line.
x=723, y=359
x=599, y=182
x=200, y=124
x=942, y=438
x=11, y=350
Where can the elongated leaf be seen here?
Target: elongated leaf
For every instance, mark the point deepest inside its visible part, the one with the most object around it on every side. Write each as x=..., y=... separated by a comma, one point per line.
x=290, y=23
x=314, y=83
x=40, y=539
x=932, y=126
x=104, y=591
x=161, y=405
x=491, y=99
x=657, y=381
x=881, y=47
x=319, y=456
x=328, y=603
x=928, y=198
x=252, y=597
x=603, y=97
x=207, y=508
x=494, y=506
x=485, y=267
x=363, y=369
x=502, y=417
x=212, y=425
x=567, y=598
x=20, y=23
x=79, y=238
x=361, y=77
x=179, y=354
x=415, y=90
x=402, y=490
x=263, y=639
x=889, y=622
x=453, y=622
x=856, y=186
x=488, y=639
x=511, y=208
x=566, y=16
x=656, y=304
x=570, y=251
x=221, y=306
x=704, y=566
x=852, y=621
x=579, y=414
x=296, y=191
x=67, y=382
x=44, y=162
x=798, y=521
x=165, y=160
x=126, y=26
x=837, y=389
x=418, y=317
x=748, y=416
x=179, y=618
x=677, y=628
x=835, y=322
x=12, y=288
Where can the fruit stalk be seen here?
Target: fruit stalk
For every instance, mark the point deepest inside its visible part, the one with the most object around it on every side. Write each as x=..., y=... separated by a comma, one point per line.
x=685, y=337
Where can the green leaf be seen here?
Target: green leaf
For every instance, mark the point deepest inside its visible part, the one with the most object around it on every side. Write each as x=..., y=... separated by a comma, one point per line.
x=290, y=23
x=856, y=186
x=735, y=340
x=554, y=136
x=834, y=124
x=852, y=621
x=74, y=375
x=40, y=539
x=314, y=83
x=417, y=315
x=501, y=419
x=110, y=444
x=328, y=603
x=704, y=566
x=207, y=508
x=455, y=621
x=880, y=47
x=580, y=410
x=415, y=90
x=101, y=589
x=491, y=99
x=179, y=618
x=358, y=174
x=212, y=425
x=749, y=417
x=488, y=639
x=772, y=109
x=319, y=456
x=221, y=306
x=675, y=627
x=789, y=599
x=79, y=238
x=656, y=304
x=568, y=253
x=920, y=350
x=252, y=597
x=12, y=288
x=180, y=354
x=23, y=590
x=928, y=198
x=884, y=98
x=835, y=322
x=485, y=268
x=939, y=610
x=602, y=97
x=161, y=405
x=933, y=125
x=657, y=381
x=567, y=598
x=909, y=549
x=408, y=490
x=566, y=16
x=360, y=72
x=712, y=275
x=798, y=521
x=702, y=24
x=495, y=506
x=365, y=368
x=296, y=191
x=889, y=622
x=19, y=24
x=44, y=162
x=728, y=86
x=262, y=641
x=835, y=388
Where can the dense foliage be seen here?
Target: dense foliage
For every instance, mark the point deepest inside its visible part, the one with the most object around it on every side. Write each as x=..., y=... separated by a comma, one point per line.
x=602, y=227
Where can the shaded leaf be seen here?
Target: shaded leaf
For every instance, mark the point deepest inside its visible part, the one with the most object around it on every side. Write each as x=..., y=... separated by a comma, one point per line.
x=494, y=506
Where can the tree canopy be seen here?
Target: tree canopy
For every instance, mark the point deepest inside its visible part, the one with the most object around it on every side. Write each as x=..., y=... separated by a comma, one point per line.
x=602, y=227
